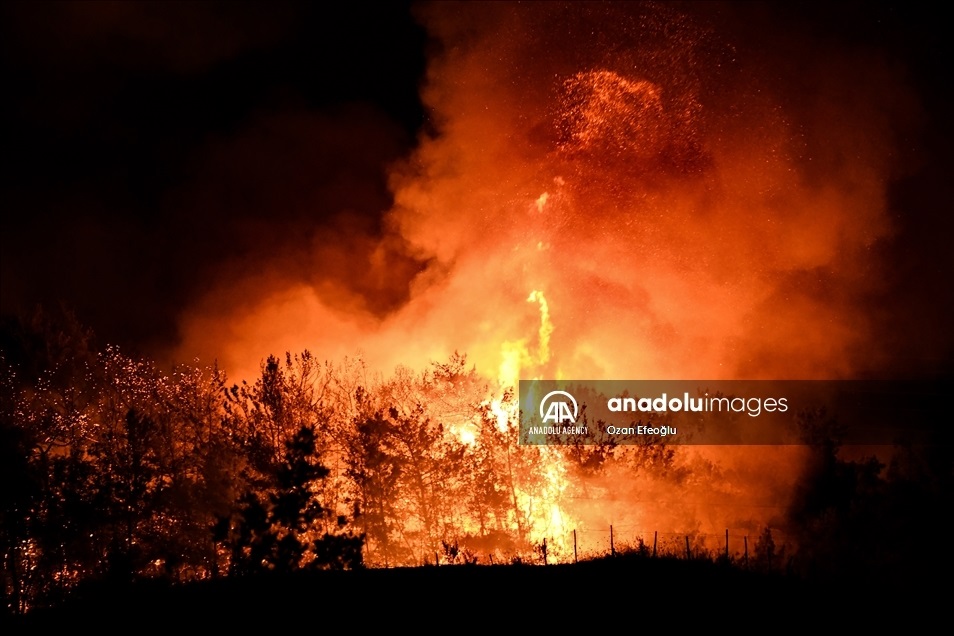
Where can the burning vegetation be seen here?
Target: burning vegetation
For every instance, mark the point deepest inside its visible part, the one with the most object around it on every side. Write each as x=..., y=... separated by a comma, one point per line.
x=600, y=191
x=118, y=471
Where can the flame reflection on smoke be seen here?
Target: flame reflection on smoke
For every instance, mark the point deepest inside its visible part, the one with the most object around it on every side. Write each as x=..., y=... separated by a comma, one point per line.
x=673, y=208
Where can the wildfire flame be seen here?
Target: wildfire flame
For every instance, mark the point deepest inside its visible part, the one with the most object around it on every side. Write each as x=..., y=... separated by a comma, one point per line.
x=673, y=211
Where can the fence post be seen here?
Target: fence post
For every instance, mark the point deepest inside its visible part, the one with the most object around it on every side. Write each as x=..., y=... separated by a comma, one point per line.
x=655, y=536
x=746, y=554
x=688, y=554
x=574, y=545
x=726, y=544
x=612, y=545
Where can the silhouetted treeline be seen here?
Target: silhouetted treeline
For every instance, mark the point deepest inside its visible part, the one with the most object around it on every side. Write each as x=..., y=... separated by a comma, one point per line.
x=114, y=470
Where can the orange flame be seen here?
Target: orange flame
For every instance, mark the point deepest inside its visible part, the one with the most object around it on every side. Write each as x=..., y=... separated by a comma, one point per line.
x=675, y=211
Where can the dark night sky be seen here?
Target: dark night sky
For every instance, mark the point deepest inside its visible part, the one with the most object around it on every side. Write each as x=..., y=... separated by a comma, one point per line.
x=149, y=143
x=151, y=147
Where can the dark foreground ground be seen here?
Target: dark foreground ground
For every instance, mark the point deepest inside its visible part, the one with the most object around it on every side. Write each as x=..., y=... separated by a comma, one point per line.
x=665, y=593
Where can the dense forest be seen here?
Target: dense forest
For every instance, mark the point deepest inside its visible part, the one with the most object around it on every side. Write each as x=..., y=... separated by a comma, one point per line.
x=115, y=470
x=122, y=470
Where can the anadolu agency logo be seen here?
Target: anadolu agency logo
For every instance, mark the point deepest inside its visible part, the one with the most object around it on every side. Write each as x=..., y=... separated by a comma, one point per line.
x=558, y=411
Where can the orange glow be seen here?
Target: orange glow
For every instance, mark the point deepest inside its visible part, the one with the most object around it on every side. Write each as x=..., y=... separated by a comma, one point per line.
x=650, y=209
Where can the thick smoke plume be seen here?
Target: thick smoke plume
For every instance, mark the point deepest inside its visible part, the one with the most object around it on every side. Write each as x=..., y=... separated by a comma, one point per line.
x=689, y=202
x=675, y=196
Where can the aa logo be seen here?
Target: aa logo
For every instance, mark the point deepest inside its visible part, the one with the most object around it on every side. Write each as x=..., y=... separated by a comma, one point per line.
x=556, y=407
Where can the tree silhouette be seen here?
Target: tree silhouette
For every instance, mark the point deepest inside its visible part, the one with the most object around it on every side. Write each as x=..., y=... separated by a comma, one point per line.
x=282, y=530
x=375, y=465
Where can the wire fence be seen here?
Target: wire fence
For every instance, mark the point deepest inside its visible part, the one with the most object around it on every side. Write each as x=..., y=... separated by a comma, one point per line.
x=741, y=545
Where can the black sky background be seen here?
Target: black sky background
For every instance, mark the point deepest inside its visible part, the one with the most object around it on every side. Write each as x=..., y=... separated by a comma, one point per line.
x=122, y=121
x=152, y=147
